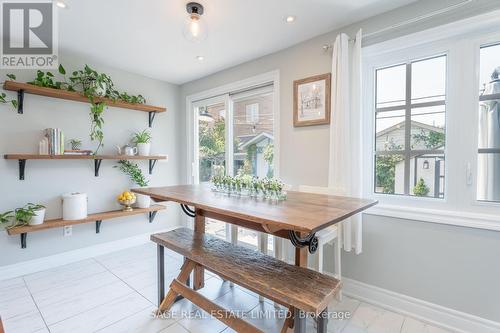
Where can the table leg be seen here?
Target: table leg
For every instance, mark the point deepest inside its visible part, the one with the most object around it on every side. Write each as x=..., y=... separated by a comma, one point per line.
x=160, y=252
x=323, y=321
x=199, y=272
x=299, y=321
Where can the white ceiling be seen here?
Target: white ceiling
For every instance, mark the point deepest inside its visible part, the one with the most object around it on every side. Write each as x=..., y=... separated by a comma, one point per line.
x=145, y=36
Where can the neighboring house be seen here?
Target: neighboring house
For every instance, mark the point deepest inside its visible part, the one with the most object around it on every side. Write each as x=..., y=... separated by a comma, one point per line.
x=429, y=167
x=259, y=165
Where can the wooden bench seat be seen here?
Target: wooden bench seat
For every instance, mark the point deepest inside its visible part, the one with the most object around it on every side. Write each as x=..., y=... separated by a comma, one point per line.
x=292, y=286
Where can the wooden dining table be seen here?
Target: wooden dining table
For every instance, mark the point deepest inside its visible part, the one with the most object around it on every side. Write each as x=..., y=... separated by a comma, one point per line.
x=297, y=219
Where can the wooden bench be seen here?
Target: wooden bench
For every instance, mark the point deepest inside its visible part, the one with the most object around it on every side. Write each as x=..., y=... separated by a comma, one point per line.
x=297, y=288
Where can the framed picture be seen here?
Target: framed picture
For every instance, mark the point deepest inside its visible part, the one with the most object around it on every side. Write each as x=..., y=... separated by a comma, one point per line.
x=311, y=100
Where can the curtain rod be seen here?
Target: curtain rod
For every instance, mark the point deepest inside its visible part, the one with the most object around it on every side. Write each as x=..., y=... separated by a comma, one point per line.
x=327, y=47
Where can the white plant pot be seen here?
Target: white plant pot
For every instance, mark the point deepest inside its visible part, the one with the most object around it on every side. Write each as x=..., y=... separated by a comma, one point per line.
x=143, y=201
x=38, y=218
x=143, y=149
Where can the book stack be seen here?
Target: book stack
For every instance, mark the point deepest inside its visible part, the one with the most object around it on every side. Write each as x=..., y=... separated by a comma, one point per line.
x=52, y=143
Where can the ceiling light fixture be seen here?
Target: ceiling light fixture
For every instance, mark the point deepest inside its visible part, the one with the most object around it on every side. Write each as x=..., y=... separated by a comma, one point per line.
x=61, y=4
x=200, y=58
x=194, y=28
x=290, y=19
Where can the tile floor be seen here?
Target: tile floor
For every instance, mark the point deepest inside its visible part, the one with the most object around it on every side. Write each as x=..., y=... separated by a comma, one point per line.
x=116, y=292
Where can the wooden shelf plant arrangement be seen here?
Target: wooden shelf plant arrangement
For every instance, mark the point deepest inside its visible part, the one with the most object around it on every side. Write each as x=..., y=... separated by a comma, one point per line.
x=98, y=90
x=22, y=158
x=97, y=218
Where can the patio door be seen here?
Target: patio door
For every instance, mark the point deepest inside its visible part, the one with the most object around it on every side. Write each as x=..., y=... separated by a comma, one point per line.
x=234, y=134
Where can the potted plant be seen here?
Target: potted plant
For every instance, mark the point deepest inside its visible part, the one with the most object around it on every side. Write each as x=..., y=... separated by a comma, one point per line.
x=135, y=174
x=143, y=141
x=38, y=213
x=75, y=144
x=30, y=214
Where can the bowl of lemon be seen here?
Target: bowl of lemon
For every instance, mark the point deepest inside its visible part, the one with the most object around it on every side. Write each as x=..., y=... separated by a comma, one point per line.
x=127, y=199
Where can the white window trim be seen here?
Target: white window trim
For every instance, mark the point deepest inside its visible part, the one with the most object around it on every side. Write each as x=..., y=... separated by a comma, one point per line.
x=459, y=207
x=224, y=90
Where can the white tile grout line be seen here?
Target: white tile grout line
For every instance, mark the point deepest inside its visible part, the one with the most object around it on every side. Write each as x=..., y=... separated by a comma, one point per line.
x=36, y=305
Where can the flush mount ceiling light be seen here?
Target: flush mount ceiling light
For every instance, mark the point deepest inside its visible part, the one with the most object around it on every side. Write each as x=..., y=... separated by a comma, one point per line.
x=200, y=58
x=61, y=4
x=290, y=19
x=194, y=28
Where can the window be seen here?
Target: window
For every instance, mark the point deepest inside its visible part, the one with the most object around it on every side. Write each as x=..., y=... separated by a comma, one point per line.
x=410, y=121
x=488, y=178
x=252, y=113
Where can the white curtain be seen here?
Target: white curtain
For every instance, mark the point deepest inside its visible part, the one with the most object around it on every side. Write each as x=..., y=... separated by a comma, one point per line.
x=344, y=175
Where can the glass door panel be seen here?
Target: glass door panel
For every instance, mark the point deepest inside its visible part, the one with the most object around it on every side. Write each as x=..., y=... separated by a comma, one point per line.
x=253, y=142
x=210, y=153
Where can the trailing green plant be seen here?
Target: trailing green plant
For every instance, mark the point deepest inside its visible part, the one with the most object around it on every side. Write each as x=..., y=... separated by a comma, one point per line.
x=3, y=96
x=134, y=172
x=96, y=123
x=91, y=84
x=142, y=137
x=6, y=217
x=75, y=144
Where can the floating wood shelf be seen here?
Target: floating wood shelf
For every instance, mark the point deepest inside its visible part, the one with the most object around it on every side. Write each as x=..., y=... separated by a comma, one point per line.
x=97, y=218
x=22, y=158
x=23, y=88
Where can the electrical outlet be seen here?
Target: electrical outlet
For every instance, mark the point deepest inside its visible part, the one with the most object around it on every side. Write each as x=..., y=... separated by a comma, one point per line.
x=67, y=231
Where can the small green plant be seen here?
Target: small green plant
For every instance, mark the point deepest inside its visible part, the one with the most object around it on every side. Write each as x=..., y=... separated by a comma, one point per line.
x=3, y=96
x=421, y=189
x=20, y=216
x=134, y=172
x=141, y=137
x=75, y=144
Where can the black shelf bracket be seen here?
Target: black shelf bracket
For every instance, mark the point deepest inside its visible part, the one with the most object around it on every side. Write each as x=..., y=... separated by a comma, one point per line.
x=24, y=235
x=98, y=226
x=22, y=166
x=152, y=216
x=152, y=164
x=20, y=101
x=97, y=166
x=152, y=115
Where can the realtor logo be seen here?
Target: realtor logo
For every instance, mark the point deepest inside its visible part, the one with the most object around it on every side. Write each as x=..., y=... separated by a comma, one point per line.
x=29, y=38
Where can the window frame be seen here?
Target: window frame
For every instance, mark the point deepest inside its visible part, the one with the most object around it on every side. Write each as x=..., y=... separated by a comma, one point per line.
x=407, y=107
x=461, y=42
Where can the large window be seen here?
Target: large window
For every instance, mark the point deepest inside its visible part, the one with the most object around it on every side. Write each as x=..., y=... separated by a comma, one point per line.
x=488, y=178
x=410, y=128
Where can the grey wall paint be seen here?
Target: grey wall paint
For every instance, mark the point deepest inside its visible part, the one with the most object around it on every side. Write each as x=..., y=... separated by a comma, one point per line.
x=451, y=266
x=47, y=180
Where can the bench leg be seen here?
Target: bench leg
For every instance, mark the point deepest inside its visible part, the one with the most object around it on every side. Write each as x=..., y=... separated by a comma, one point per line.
x=199, y=271
x=323, y=321
x=173, y=296
x=299, y=321
x=263, y=248
x=160, y=254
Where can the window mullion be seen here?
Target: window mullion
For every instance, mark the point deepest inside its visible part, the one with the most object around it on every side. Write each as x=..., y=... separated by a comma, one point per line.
x=407, y=131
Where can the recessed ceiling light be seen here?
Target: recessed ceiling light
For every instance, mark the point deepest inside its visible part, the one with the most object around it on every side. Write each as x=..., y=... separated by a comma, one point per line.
x=61, y=4
x=290, y=19
x=200, y=58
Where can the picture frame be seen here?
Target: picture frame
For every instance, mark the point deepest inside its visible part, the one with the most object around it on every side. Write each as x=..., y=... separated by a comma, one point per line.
x=312, y=100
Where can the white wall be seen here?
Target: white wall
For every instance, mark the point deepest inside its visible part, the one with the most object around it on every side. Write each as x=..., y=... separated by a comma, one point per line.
x=47, y=180
x=451, y=266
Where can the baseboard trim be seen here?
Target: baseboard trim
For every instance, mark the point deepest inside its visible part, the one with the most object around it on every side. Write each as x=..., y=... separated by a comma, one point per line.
x=429, y=312
x=39, y=264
